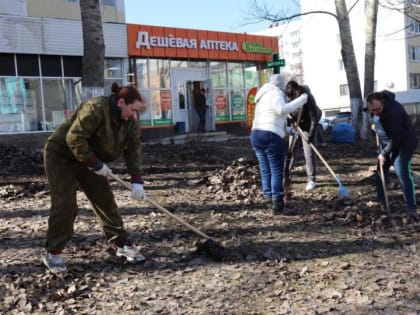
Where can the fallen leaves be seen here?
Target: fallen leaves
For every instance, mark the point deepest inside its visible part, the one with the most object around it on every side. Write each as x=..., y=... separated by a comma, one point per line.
x=326, y=259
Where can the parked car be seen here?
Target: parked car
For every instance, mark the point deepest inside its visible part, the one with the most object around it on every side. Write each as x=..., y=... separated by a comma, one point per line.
x=343, y=117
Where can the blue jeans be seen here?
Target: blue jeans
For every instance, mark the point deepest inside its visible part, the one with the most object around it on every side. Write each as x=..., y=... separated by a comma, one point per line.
x=269, y=149
x=402, y=165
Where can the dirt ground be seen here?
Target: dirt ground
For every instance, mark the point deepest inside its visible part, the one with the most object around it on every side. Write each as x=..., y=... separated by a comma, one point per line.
x=334, y=257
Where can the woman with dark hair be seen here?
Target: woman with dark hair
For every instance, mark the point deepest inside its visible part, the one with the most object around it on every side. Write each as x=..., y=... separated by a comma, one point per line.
x=309, y=124
x=99, y=131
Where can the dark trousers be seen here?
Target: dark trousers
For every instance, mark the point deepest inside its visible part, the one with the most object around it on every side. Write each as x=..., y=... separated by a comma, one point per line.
x=269, y=149
x=202, y=121
x=64, y=177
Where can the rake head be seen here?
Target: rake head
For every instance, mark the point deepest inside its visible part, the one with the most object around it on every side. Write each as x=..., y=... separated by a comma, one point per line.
x=343, y=191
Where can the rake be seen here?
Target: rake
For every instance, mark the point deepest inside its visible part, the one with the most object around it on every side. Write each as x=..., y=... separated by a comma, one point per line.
x=210, y=247
x=343, y=191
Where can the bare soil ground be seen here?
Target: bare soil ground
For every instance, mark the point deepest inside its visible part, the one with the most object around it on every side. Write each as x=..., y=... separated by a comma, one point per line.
x=334, y=257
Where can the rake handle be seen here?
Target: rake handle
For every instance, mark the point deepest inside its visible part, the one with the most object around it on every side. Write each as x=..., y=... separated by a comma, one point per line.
x=162, y=209
x=315, y=150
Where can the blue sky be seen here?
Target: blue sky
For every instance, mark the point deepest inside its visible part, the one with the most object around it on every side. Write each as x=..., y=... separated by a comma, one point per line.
x=214, y=15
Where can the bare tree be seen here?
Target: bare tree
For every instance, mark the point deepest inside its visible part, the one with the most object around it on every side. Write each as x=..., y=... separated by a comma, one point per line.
x=93, y=49
x=261, y=12
x=370, y=55
x=350, y=64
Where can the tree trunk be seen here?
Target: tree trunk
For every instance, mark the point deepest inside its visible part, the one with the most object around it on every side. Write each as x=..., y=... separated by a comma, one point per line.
x=93, y=49
x=370, y=44
x=350, y=65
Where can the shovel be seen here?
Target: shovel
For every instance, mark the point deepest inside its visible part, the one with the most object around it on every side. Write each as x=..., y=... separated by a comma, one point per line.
x=210, y=247
x=381, y=169
x=343, y=191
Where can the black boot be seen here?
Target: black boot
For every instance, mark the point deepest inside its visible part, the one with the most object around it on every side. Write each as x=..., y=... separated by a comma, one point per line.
x=278, y=208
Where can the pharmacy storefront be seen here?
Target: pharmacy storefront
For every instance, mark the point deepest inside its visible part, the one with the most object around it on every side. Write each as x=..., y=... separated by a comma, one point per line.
x=170, y=65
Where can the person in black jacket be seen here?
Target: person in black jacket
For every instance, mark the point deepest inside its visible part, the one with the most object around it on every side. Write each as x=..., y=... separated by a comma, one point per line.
x=308, y=123
x=401, y=145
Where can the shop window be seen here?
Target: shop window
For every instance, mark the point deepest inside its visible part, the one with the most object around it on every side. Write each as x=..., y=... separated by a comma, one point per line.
x=146, y=117
x=159, y=73
x=51, y=66
x=59, y=101
x=72, y=66
x=237, y=104
x=113, y=68
x=197, y=64
x=251, y=75
x=141, y=68
x=235, y=75
x=221, y=105
x=7, y=65
x=161, y=107
x=27, y=65
x=20, y=105
x=218, y=74
x=179, y=64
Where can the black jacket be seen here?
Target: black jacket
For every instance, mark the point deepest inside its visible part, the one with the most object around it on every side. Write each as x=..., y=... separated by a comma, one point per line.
x=397, y=126
x=309, y=117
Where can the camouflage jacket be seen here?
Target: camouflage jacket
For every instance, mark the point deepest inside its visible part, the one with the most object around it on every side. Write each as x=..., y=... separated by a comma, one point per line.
x=95, y=131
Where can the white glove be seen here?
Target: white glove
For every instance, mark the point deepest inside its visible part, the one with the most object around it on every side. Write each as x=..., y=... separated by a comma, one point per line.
x=137, y=192
x=103, y=171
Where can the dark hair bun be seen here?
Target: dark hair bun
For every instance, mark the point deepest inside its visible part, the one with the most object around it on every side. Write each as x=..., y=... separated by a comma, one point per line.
x=115, y=88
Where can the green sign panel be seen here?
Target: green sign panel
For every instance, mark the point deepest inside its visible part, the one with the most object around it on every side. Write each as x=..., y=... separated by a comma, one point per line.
x=256, y=48
x=276, y=63
x=160, y=122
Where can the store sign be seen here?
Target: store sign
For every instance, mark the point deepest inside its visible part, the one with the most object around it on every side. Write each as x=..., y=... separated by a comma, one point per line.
x=180, y=43
x=144, y=40
x=256, y=48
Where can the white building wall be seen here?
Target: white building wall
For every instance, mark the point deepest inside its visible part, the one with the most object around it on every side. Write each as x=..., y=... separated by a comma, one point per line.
x=321, y=52
x=56, y=37
x=289, y=47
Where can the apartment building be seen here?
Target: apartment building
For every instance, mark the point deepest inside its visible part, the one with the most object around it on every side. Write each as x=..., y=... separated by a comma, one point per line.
x=312, y=50
x=290, y=47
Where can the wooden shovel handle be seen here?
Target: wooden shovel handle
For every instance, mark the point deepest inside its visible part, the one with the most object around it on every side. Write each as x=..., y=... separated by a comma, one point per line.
x=381, y=169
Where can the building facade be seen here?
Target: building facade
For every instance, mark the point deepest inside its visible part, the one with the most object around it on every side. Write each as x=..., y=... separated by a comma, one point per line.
x=41, y=49
x=169, y=64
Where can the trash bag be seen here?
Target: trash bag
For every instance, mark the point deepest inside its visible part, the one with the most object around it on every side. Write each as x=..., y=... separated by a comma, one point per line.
x=343, y=133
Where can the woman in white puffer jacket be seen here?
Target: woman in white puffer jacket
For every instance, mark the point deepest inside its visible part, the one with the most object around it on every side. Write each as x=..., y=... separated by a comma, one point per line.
x=267, y=134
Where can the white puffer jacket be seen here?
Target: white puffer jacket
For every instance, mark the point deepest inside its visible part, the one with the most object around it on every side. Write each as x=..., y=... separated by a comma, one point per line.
x=271, y=110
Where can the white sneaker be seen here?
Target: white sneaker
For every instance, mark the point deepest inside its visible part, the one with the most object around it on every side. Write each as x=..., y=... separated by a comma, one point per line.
x=310, y=186
x=54, y=263
x=131, y=253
